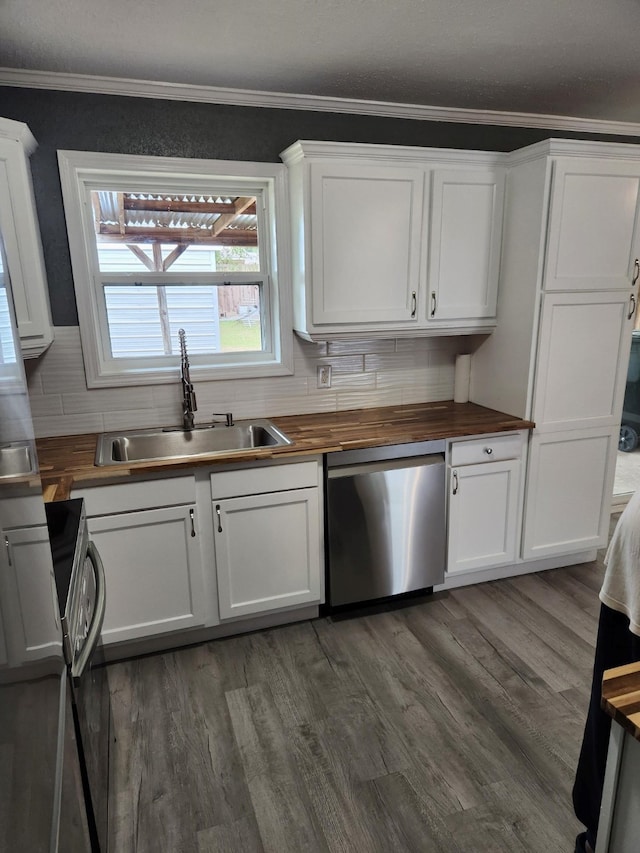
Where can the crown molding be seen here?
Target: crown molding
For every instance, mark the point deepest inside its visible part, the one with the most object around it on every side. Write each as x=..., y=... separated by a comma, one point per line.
x=304, y=148
x=122, y=86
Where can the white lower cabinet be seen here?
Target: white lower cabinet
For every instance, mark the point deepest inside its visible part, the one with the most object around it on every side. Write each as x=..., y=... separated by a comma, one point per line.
x=27, y=588
x=165, y=547
x=568, y=500
x=483, y=511
x=484, y=492
x=153, y=568
x=267, y=554
x=151, y=553
x=268, y=538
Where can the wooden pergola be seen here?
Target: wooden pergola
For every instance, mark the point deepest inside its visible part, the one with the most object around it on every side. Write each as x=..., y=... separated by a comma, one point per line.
x=140, y=218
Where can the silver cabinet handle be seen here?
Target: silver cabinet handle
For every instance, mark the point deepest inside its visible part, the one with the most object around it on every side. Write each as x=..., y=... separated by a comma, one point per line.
x=414, y=304
x=636, y=271
x=632, y=310
x=8, y=547
x=433, y=303
x=193, y=527
x=488, y=450
x=219, y=518
x=455, y=482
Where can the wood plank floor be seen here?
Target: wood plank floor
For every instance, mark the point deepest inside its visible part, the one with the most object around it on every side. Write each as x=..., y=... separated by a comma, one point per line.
x=449, y=725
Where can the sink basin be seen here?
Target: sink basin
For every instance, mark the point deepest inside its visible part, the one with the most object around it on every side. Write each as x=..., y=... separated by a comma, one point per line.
x=16, y=460
x=151, y=445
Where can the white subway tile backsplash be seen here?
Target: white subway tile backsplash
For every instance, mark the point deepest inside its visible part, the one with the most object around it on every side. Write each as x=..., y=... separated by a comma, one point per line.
x=404, y=345
x=68, y=424
x=265, y=389
x=310, y=349
x=63, y=379
x=108, y=400
x=34, y=377
x=45, y=405
x=285, y=406
x=397, y=361
x=419, y=393
x=364, y=373
x=368, y=399
x=142, y=419
x=343, y=363
x=354, y=347
x=352, y=380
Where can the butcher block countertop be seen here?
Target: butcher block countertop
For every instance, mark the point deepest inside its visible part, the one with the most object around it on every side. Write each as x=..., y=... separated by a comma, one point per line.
x=621, y=697
x=66, y=461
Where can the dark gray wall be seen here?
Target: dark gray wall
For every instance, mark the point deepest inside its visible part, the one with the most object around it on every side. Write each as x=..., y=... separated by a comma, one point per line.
x=85, y=122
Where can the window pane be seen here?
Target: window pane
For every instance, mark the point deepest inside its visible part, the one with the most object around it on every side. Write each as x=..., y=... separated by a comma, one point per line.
x=159, y=232
x=144, y=319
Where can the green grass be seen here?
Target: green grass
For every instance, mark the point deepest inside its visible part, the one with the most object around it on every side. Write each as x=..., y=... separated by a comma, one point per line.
x=238, y=336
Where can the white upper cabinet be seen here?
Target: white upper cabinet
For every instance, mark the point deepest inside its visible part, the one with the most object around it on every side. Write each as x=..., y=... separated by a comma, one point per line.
x=365, y=243
x=583, y=355
x=593, y=238
x=20, y=235
x=464, y=244
x=393, y=241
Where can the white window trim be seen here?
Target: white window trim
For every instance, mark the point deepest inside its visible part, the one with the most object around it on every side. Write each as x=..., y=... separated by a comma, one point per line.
x=80, y=170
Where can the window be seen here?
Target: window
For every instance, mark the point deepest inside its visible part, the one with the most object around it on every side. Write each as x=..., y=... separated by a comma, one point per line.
x=162, y=244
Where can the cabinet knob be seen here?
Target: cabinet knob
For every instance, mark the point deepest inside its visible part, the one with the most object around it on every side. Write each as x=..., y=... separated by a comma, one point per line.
x=455, y=482
x=636, y=271
x=414, y=304
x=219, y=518
x=632, y=309
x=488, y=450
x=433, y=303
x=193, y=526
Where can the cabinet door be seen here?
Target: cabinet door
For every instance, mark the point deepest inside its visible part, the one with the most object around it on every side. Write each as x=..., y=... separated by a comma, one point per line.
x=267, y=552
x=483, y=515
x=23, y=249
x=568, y=500
x=28, y=588
x=464, y=244
x=366, y=224
x=582, y=359
x=593, y=240
x=153, y=571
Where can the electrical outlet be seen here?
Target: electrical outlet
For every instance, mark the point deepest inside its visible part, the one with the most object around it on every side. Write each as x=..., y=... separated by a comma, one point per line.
x=324, y=376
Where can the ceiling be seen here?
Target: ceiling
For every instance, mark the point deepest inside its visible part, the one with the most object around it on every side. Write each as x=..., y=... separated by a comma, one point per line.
x=575, y=58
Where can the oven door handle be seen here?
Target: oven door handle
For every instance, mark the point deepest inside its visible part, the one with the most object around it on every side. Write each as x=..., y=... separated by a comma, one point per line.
x=80, y=664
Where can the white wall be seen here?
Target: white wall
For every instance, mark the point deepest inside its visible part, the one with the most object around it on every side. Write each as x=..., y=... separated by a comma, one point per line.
x=365, y=374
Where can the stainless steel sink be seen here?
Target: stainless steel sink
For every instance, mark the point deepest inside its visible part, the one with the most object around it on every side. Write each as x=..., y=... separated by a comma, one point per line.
x=151, y=445
x=17, y=459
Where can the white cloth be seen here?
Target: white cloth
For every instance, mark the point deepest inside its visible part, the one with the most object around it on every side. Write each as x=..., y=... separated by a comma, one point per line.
x=621, y=587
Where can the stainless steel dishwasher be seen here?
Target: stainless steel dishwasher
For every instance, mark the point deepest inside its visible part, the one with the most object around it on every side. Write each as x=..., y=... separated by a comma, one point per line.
x=385, y=521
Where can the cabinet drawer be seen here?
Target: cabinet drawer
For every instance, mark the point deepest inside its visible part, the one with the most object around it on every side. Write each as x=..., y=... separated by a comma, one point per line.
x=492, y=449
x=126, y=497
x=255, y=481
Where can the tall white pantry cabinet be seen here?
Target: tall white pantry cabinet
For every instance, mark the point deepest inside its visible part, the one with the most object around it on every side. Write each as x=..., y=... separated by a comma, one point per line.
x=566, y=310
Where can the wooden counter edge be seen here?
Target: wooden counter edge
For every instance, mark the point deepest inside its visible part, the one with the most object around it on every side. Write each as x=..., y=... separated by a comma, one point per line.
x=621, y=696
x=63, y=469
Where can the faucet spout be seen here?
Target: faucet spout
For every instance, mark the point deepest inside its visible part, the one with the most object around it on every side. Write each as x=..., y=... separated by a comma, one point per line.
x=189, y=405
